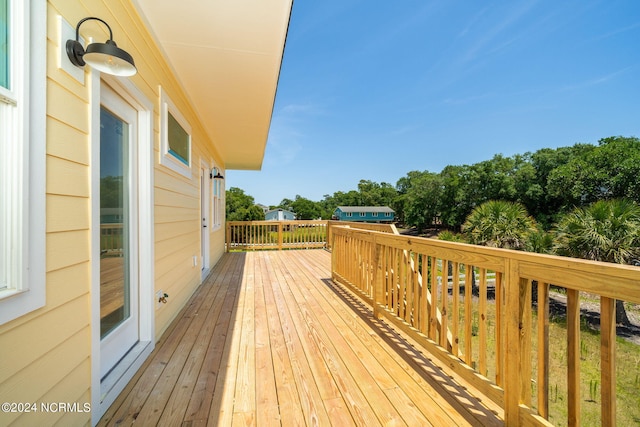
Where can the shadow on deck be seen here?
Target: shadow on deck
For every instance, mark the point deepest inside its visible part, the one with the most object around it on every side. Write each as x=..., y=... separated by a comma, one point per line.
x=269, y=339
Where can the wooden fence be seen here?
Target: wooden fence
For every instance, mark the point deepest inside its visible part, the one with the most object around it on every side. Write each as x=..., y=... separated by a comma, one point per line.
x=278, y=235
x=111, y=239
x=275, y=235
x=453, y=299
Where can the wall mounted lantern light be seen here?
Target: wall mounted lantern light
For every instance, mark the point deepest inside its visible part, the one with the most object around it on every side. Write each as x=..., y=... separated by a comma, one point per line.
x=217, y=175
x=105, y=57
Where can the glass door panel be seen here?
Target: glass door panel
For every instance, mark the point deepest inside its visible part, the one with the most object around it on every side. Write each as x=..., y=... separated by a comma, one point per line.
x=115, y=293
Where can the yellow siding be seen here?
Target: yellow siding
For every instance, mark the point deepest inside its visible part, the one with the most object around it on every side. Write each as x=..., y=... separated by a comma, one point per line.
x=217, y=244
x=67, y=213
x=65, y=142
x=48, y=385
x=50, y=357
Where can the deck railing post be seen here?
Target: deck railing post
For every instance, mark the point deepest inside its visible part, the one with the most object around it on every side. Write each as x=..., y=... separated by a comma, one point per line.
x=228, y=236
x=543, y=349
x=608, y=360
x=573, y=357
x=280, y=236
x=512, y=351
x=377, y=279
x=525, y=287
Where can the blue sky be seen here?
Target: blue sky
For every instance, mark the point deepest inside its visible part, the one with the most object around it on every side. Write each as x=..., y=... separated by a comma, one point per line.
x=374, y=89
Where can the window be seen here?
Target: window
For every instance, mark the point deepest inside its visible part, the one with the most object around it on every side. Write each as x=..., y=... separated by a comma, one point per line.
x=179, y=140
x=374, y=213
x=4, y=43
x=175, y=138
x=22, y=156
x=387, y=214
x=348, y=214
x=218, y=206
x=363, y=214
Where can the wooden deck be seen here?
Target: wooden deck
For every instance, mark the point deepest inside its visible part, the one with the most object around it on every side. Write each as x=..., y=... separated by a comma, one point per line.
x=269, y=340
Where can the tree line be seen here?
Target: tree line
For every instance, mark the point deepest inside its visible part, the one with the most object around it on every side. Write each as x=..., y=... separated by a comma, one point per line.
x=548, y=183
x=580, y=201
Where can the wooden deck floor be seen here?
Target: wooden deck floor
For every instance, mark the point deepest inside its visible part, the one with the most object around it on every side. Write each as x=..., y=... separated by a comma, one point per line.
x=270, y=340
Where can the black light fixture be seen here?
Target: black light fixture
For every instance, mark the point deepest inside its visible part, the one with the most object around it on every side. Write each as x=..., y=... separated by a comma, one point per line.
x=218, y=175
x=105, y=57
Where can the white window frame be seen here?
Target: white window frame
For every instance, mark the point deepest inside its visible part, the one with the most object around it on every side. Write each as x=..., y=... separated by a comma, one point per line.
x=166, y=157
x=374, y=213
x=217, y=199
x=23, y=122
x=363, y=214
x=348, y=214
x=106, y=390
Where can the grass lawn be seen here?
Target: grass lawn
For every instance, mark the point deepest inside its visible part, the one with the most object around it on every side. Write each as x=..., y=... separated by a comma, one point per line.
x=627, y=376
x=627, y=369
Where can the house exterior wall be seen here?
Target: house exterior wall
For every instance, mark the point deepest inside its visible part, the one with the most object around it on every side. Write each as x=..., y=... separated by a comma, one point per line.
x=46, y=355
x=279, y=215
x=368, y=216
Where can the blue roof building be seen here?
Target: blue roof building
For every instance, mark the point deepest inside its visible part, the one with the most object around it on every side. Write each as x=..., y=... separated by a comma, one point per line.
x=364, y=213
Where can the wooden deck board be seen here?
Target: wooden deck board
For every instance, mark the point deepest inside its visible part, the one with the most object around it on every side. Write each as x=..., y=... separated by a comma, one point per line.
x=268, y=339
x=305, y=361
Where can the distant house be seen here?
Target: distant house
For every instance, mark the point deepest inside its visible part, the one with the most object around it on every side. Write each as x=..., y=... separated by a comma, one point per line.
x=111, y=215
x=364, y=213
x=279, y=215
x=264, y=208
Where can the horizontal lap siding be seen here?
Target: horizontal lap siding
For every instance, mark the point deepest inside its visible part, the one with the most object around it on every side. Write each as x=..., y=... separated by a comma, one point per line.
x=46, y=355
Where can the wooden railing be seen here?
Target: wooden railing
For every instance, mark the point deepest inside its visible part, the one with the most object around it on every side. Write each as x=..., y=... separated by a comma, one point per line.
x=275, y=235
x=111, y=239
x=471, y=307
x=269, y=235
x=383, y=228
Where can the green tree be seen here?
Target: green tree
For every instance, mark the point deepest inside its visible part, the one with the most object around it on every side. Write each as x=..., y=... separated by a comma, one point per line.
x=609, y=171
x=305, y=208
x=422, y=199
x=607, y=230
x=450, y=236
x=540, y=241
x=400, y=200
x=241, y=207
x=111, y=191
x=286, y=204
x=500, y=224
x=542, y=201
x=493, y=179
x=456, y=202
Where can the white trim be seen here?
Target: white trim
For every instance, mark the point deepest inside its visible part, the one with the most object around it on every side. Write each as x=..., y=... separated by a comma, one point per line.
x=205, y=212
x=28, y=173
x=68, y=32
x=166, y=157
x=217, y=197
x=105, y=392
x=119, y=340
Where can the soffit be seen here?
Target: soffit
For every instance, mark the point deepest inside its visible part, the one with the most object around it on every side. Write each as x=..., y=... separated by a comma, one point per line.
x=227, y=56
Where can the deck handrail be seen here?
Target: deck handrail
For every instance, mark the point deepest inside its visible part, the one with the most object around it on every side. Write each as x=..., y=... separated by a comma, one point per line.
x=275, y=235
x=378, y=266
x=298, y=234
x=111, y=238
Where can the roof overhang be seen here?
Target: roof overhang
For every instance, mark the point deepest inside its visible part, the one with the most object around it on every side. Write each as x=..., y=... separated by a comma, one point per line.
x=227, y=56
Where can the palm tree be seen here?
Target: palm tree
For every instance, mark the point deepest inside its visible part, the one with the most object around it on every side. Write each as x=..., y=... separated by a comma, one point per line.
x=500, y=224
x=540, y=241
x=607, y=230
